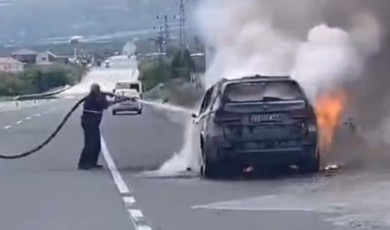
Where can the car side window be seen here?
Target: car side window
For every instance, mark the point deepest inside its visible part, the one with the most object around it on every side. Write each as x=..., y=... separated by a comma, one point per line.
x=206, y=101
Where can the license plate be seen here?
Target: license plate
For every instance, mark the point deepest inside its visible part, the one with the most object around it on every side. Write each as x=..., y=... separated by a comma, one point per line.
x=258, y=118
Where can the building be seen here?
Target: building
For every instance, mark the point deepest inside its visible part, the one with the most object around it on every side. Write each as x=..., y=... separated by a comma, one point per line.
x=210, y=55
x=129, y=49
x=45, y=58
x=25, y=55
x=199, y=60
x=11, y=65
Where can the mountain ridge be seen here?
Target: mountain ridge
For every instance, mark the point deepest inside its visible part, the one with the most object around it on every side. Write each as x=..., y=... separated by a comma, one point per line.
x=29, y=21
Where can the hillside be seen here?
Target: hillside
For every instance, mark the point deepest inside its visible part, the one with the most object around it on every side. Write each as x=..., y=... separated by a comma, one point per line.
x=37, y=20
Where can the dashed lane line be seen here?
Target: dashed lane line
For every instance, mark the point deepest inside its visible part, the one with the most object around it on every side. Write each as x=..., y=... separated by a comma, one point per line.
x=129, y=201
x=144, y=227
x=27, y=119
x=135, y=214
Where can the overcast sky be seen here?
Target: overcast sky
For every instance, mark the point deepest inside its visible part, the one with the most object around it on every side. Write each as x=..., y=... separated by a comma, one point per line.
x=37, y=19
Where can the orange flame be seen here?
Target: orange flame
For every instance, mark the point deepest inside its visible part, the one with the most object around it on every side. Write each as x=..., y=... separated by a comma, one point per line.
x=329, y=108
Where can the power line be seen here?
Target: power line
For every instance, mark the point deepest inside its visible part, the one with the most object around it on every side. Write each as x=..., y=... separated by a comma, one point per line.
x=182, y=25
x=165, y=29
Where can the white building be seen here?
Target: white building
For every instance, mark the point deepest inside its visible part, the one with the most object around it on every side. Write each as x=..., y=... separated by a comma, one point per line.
x=45, y=58
x=210, y=55
x=11, y=65
x=129, y=49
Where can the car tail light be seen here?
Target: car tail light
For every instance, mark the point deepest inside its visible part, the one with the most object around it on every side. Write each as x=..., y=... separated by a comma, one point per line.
x=312, y=128
x=301, y=113
x=226, y=117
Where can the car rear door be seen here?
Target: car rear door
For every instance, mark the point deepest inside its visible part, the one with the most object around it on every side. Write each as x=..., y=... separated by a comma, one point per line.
x=200, y=120
x=247, y=117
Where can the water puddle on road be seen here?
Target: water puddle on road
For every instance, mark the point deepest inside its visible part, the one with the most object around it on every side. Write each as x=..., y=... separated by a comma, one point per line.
x=169, y=172
x=169, y=175
x=354, y=200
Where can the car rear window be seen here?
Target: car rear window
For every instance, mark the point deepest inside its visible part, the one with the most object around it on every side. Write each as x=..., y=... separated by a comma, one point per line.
x=135, y=86
x=122, y=86
x=263, y=91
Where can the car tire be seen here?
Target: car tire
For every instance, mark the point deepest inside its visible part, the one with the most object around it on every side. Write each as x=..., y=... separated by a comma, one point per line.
x=210, y=169
x=114, y=112
x=311, y=164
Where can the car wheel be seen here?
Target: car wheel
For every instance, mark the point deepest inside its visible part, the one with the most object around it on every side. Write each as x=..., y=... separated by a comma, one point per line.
x=210, y=169
x=311, y=164
x=114, y=112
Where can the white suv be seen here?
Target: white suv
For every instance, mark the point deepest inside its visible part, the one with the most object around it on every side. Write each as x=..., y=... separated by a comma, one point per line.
x=132, y=105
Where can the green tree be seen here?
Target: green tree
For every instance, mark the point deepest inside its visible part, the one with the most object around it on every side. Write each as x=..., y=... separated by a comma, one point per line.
x=38, y=80
x=155, y=74
x=182, y=65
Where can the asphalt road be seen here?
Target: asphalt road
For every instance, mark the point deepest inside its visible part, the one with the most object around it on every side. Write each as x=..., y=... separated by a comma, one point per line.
x=46, y=191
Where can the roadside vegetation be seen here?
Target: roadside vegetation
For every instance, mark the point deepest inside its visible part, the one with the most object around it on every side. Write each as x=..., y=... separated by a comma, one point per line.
x=176, y=65
x=39, y=79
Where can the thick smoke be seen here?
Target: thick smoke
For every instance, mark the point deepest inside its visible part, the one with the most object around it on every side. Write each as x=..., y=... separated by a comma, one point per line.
x=324, y=45
x=276, y=38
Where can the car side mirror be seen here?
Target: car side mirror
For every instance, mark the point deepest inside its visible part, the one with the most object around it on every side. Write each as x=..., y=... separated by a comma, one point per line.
x=194, y=115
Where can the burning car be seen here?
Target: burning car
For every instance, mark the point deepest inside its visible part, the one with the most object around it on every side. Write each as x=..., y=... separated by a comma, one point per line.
x=255, y=122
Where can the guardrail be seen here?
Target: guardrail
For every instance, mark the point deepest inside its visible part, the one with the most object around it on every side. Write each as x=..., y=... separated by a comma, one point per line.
x=47, y=95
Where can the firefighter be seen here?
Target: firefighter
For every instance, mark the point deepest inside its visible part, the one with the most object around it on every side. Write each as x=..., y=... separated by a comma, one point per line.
x=94, y=105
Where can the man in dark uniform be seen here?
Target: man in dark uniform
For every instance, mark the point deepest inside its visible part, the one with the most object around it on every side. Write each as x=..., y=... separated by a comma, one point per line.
x=94, y=105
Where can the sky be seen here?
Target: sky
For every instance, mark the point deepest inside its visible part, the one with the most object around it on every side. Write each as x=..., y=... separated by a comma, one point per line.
x=32, y=20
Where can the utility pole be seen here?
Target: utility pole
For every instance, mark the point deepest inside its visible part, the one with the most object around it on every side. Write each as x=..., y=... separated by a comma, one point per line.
x=159, y=40
x=182, y=25
x=165, y=30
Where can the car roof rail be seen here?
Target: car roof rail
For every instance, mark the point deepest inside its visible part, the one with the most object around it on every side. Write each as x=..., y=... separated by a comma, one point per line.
x=265, y=76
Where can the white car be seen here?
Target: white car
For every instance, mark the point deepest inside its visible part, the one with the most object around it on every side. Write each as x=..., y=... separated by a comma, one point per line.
x=132, y=105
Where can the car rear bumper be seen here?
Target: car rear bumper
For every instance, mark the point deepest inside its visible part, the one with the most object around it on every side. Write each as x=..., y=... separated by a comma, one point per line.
x=256, y=156
x=128, y=107
x=267, y=156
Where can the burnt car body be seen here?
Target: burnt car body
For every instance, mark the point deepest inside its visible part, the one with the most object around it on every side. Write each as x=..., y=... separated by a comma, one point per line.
x=256, y=122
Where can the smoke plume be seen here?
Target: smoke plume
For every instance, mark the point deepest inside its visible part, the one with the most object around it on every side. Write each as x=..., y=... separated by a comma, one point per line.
x=277, y=38
x=323, y=44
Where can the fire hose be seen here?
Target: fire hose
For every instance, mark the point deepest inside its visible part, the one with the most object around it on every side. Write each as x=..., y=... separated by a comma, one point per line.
x=54, y=134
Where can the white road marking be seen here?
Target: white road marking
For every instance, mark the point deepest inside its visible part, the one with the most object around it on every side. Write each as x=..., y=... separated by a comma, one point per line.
x=144, y=227
x=28, y=118
x=38, y=115
x=119, y=182
x=129, y=200
x=136, y=215
x=19, y=122
x=7, y=127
